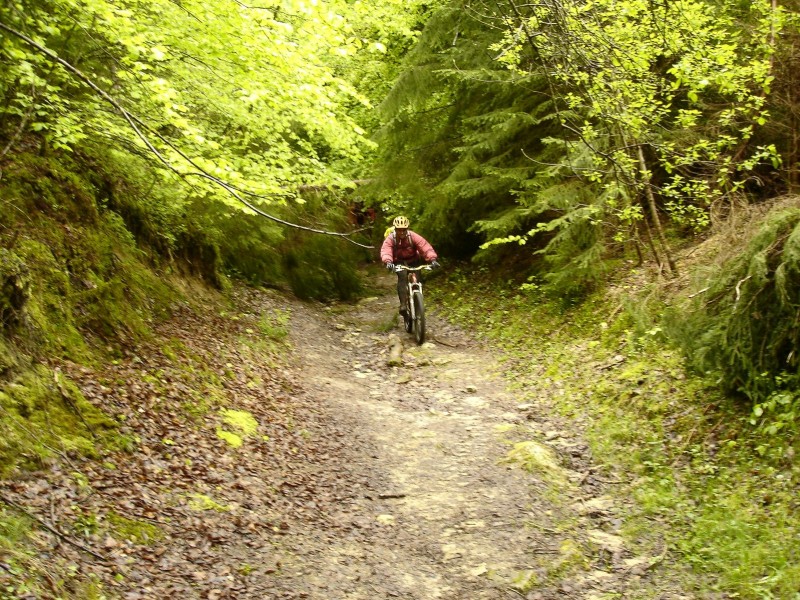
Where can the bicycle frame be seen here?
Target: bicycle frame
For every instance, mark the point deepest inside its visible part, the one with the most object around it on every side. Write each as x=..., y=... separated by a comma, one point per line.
x=414, y=283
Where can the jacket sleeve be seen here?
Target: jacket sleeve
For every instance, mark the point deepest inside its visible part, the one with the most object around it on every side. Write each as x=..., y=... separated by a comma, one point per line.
x=423, y=247
x=387, y=250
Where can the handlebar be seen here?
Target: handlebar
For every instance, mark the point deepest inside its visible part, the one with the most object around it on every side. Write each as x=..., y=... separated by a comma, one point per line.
x=398, y=268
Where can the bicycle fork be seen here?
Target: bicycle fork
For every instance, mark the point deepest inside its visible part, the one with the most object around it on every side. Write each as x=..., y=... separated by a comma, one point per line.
x=414, y=285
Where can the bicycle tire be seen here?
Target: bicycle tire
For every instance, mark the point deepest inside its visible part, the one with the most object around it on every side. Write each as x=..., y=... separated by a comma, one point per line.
x=419, y=318
x=407, y=321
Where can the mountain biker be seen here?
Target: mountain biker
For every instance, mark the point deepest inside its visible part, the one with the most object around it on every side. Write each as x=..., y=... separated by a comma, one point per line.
x=405, y=247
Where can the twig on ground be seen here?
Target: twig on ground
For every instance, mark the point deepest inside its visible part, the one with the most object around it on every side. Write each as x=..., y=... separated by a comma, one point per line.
x=443, y=343
x=391, y=495
x=50, y=528
x=611, y=364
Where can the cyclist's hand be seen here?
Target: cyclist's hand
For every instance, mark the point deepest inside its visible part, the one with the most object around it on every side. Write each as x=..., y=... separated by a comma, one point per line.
x=390, y=266
x=435, y=264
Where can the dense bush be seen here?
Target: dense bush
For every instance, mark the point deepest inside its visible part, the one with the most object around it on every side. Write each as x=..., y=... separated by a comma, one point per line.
x=745, y=322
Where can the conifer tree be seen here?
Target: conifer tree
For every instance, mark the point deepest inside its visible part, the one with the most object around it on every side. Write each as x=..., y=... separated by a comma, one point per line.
x=609, y=118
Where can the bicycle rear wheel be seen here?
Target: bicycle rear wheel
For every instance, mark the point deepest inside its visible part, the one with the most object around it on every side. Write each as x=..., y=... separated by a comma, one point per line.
x=419, y=318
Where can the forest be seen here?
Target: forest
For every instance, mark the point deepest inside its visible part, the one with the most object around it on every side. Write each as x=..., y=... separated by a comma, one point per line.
x=628, y=167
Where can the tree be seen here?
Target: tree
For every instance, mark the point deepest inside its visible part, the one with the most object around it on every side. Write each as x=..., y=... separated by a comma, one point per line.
x=457, y=127
x=245, y=95
x=667, y=94
x=608, y=117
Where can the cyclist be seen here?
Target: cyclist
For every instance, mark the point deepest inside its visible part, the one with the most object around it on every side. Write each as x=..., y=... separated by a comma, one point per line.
x=405, y=247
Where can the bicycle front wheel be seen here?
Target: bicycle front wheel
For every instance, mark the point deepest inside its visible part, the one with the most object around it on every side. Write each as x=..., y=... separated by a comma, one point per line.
x=407, y=320
x=419, y=318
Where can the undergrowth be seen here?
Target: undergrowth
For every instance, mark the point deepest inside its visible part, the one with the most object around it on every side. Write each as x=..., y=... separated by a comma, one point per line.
x=694, y=463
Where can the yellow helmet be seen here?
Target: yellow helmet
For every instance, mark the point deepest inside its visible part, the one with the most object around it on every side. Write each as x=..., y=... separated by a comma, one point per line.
x=400, y=222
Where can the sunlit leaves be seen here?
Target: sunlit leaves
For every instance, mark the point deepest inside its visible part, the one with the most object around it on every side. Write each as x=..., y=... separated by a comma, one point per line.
x=253, y=93
x=686, y=78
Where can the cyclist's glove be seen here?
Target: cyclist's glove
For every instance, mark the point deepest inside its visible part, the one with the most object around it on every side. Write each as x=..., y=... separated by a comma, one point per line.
x=390, y=266
x=435, y=264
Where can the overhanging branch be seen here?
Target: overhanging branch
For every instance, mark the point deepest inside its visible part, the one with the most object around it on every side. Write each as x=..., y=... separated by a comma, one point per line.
x=135, y=124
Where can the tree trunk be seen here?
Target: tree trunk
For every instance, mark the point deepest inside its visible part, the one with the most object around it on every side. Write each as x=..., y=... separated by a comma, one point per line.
x=648, y=238
x=651, y=203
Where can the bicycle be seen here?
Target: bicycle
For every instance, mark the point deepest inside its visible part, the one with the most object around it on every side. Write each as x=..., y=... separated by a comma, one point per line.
x=414, y=317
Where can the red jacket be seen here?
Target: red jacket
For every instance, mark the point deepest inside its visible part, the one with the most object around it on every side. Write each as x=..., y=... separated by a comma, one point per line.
x=413, y=248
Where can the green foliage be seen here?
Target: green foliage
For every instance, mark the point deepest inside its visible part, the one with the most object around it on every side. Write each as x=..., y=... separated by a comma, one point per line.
x=250, y=247
x=524, y=126
x=319, y=268
x=263, y=125
x=322, y=267
x=743, y=326
x=631, y=86
x=459, y=134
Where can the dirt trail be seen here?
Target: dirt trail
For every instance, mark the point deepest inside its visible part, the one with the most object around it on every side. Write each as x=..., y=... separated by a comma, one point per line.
x=360, y=481
x=439, y=516
x=441, y=512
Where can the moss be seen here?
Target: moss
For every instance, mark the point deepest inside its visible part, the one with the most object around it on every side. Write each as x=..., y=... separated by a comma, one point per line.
x=201, y=502
x=524, y=581
x=13, y=529
x=138, y=532
x=9, y=358
x=231, y=439
x=40, y=419
x=118, y=292
x=539, y=459
x=50, y=186
x=14, y=288
x=50, y=321
x=87, y=276
x=241, y=420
